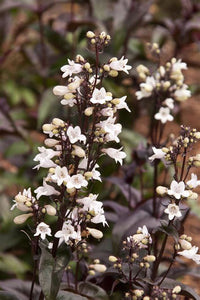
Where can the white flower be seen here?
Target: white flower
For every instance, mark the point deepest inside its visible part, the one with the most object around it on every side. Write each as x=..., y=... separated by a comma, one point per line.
x=107, y=112
x=21, y=198
x=120, y=65
x=182, y=94
x=193, y=182
x=173, y=211
x=177, y=189
x=69, y=102
x=71, y=68
x=95, y=174
x=164, y=115
x=191, y=254
x=68, y=233
x=142, y=238
x=60, y=175
x=146, y=88
x=112, y=130
x=122, y=104
x=44, y=158
x=169, y=102
x=178, y=65
x=116, y=154
x=76, y=181
x=46, y=190
x=100, y=96
x=158, y=154
x=43, y=229
x=75, y=135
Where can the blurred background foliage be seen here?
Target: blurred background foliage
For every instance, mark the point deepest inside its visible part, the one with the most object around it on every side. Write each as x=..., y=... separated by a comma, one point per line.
x=36, y=38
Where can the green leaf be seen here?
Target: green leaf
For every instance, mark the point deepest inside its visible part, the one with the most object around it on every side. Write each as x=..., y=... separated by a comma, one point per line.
x=17, y=148
x=51, y=270
x=65, y=295
x=93, y=291
x=12, y=265
x=28, y=97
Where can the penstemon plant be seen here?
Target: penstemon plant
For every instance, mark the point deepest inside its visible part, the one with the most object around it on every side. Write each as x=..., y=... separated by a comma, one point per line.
x=71, y=159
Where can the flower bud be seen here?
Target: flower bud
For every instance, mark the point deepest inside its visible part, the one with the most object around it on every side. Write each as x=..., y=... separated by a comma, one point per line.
x=48, y=127
x=150, y=258
x=51, y=142
x=142, y=69
x=112, y=258
x=91, y=272
x=176, y=289
x=97, y=234
x=185, y=245
x=20, y=198
x=87, y=66
x=197, y=135
x=90, y=34
x=93, y=41
x=115, y=101
x=79, y=58
x=98, y=267
x=138, y=293
x=161, y=190
x=69, y=96
x=88, y=175
x=113, y=73
x=192, y=196
x=106, y=68
x=51, y=211
x=71, y=191
x=88, y=111
x=22, y=218
x=78, y=151
x=58, y=122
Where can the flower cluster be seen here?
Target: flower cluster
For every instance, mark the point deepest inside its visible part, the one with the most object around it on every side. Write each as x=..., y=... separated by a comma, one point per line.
x=72, y=151
x=164, y=86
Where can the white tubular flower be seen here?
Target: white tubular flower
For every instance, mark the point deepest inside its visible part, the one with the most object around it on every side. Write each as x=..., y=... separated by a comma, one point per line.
x=107, y=112
x=68, y=233
x=193, y=182
x=69, y=101
x=164, y=115
x=60, y=175
x=177, y=190
x=45, y=190
x=182, y=94
x=21, y=199
x=146, y=88
x=120, y=65
x=169, y=102
x=116, y=154
x=76, y=181
x=158, y=154
x=75, y=135
x=44, y=158
x=173, y=211
x=60, y=90
x=112, y=130
x=71, y=68
x=100, y=96
x=43, y=229
x=191, y=254
x=142, y=238
x=96, y=175
x=122, y=104
x=178, y=65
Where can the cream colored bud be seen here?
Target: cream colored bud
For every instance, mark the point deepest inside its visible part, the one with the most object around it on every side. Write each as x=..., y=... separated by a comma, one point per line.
x=48, y=127
x=79, y=58
x=89, y=111
x=108, y=37
x=102, y=35
x=88, y=175
x=22, y=218
x=93, y=41
x=55, y=131
x=185, y=245
x=58, y=122
x=165, y=149
x=71, y=191
x=51, y=211
x=138, y=293
x=113, y=73
x=69, y=96
x=192, y=196
x=166, y=85
x=113, y=258
x=51, y=142
x=189, y=238
x=90, y=34
x=20, y=198
x=28, y=203
x=142, y=69
x=177, y=247
x=186, y=140
x=113, y=59
x=183, y=236
x=106, y=68
x=43, y=210
x=97, y=234
x=147, y=265
x=197, y=135
x=196, y=163
x=176, y=289
x=146, y=298
x=161, y=190
x=78, y=151
x=150, y=258
x=87, y=66
x=115, y=101
x=91, y=272
x=52, y=170
x=98, y=267
x=162, y=71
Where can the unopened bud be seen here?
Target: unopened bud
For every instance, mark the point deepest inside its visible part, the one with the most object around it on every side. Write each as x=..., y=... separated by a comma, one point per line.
x=192, y=196
x=113, y=73
x=22, y=218
x=197, y=135
x=87, y=66
x=48, y=127
x=69, y=96
x=88, y=175
x=51, y=142
x=138, y=293
x=78, y=151
x=115, y=101
x=71, y=191
x=106, y=68
x=58, y=122
x=88, y=111
x=150, y=258
x=90, y=34
x=98, y=267
x=97, y=234
x=51, y=211
x=161, y=190
x=176, y=289
x=185, y=245
x=91, y=272
x=113, y=258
